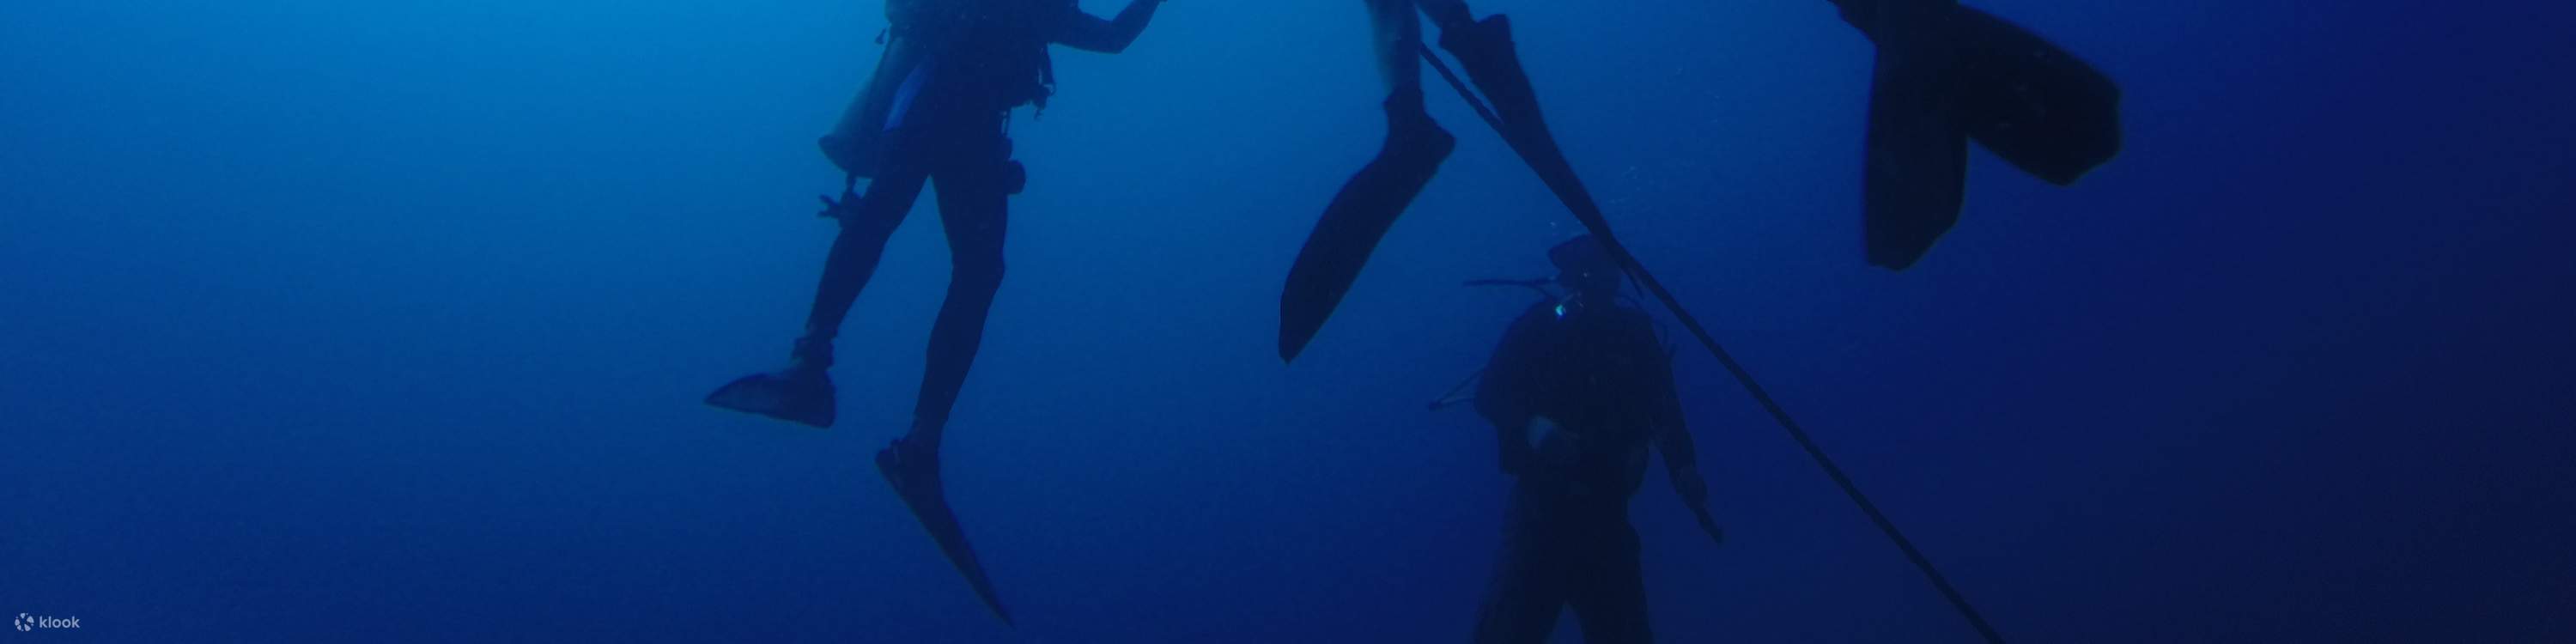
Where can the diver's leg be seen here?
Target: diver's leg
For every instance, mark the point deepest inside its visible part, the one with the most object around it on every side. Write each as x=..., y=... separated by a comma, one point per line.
x=1447, y=13
x=1526, y=593
x=974, y=207
x=1608, y=589
x=1399, y=35
x=1398, y=38
x=865, y=227
x=1413, y=139
x=802, y=392
x=973, y=201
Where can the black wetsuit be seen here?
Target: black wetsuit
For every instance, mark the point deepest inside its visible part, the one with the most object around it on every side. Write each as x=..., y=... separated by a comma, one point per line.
x=1601, y=373
x=948, y=126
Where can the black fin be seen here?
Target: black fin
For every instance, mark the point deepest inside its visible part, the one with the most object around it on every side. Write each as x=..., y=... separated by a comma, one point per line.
x=1358, y=217
x=805, y=399
x=1914, y=176
x=929, y=504
x=1946, y=74
x=2030, y=102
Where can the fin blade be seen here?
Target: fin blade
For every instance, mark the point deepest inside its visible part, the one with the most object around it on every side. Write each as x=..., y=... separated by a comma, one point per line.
x=1353, y=224
x=1914, y=177
x=930, y=508
x=2031, y=102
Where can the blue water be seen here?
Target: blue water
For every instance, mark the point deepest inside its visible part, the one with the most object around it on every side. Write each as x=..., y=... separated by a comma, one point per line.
x=388, y=321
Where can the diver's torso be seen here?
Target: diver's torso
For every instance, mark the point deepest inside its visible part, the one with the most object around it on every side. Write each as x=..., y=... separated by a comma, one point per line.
x=982, y=57
x=1593, y=372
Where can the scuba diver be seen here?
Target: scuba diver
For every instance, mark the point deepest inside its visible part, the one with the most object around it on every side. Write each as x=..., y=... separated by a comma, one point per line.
x=1578, y=390
x=936, y=109
x=1944, y=75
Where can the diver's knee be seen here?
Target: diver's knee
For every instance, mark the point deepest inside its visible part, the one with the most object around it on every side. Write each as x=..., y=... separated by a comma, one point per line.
x=978, y=273
x=866, y=222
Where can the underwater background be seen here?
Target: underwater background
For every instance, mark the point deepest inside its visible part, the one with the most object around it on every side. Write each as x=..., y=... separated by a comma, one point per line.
x=389, y=321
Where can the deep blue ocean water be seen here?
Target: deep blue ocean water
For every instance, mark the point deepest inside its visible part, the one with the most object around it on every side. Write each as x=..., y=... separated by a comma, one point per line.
x=389, y=321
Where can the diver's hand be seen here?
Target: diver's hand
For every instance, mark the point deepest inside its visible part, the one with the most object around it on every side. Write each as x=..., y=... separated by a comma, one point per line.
x=1554, y=445
x=1709, y=524
x=847, y=205
x=1694, y=490
x=1538, y=429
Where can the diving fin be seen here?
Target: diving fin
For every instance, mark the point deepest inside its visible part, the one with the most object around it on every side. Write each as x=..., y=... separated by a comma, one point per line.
x=2032, y=103
x=1946, y=74
x=1914, y=175
x=795, y=395
x=1358, y=218
x=918, y=485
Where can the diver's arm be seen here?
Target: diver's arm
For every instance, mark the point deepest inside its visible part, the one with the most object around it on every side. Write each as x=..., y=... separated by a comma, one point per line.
x=1090, y=33
x=1672, y=434
x=1681, y=461
x=1502, y=396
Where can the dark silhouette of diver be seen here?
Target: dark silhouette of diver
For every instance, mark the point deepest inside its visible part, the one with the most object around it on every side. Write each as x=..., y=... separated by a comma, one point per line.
x=935, y=110
x=1578, y=390
x=1944, y=75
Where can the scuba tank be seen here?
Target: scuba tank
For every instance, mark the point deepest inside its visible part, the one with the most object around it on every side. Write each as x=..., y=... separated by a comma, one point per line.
x=856, y=143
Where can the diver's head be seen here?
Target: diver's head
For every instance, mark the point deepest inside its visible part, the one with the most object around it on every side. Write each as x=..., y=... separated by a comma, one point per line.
x=1586, y=269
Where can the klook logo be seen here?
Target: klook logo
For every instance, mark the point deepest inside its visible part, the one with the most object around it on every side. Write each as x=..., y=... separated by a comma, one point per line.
x=27, y=622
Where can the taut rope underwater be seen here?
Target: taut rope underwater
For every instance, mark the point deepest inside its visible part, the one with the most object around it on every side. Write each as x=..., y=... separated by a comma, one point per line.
x=1578, y=200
